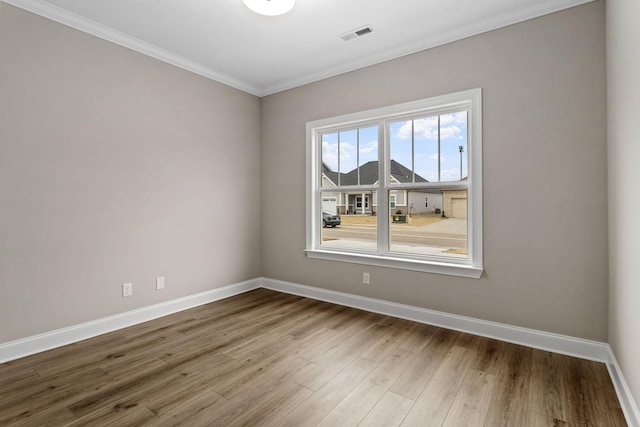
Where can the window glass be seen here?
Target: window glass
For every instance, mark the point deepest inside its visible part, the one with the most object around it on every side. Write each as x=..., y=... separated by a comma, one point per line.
x=368, y=155
x=401, y=145
x=433, y=222
x=431, y=148
x=349, y=155
x=426, y=149
x=453, y=143
x=356, y=230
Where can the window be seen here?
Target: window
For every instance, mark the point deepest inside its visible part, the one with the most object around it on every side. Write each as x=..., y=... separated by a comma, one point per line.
x=405, y=182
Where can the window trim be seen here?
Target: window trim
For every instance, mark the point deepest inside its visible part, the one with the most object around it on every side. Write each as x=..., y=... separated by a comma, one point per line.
x=472, y=267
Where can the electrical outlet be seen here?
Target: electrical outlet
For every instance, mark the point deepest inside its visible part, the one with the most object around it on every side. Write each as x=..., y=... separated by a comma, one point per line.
x=159, y=283
x=127, y=289
x=366, y=279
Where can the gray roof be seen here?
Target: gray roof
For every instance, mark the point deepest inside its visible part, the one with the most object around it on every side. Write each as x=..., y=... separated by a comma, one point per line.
x=369, y=174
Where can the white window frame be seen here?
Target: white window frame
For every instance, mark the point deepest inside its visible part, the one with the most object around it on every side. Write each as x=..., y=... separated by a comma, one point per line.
x=392, y=201
x=472, y=266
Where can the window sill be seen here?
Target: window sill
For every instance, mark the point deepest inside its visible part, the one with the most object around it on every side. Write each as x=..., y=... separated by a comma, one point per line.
x=449, y=269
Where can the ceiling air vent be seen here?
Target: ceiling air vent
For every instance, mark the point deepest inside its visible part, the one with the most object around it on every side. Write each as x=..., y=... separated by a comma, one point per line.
x=354, y=34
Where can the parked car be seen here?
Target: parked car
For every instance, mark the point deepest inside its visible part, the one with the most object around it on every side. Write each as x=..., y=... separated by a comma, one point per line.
x=329, y=219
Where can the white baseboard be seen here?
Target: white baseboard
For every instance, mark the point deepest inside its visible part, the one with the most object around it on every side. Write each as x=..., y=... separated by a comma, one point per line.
x=563, y=344
x=585, y=349
x=628, y=404
x=35, y=344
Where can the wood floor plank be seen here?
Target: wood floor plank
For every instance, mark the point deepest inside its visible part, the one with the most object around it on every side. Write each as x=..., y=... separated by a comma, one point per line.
x=355, y=325
x=125, y=416
x=357, y=404
x=593, y=400
x=60, y=353
x=14, y=379
x=318, y=318
x=55, y=416
x=588, y=406
x=270, y=359
x=145, y=382
x=126, y=367
x=344, y=348
x=254, y=373
x=356, y=343
x=489, y=353
x=419, y=337
x=433, y=404
x=388, y=412
x=102, y=354
x=276, y=333
x=395, y=334
x=193, y=380
x=535, y=419
x=47, y=393
x=274, y=360
x=472, y=402
x=281, y=400
x=344, y=318
x=510, y=400
x=546, y=388
x=317, y=406
x=413, y=381
x=198, y=410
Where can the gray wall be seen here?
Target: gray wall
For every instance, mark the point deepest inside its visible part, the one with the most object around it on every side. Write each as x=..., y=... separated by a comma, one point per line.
x=117, y=168
x=545, y=214
x=623, y=69
x=114, y=168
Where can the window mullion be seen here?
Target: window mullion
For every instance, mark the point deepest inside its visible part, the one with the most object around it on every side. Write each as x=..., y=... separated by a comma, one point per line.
x=316, y=206
x=339, y=166
x=358, y=153
x=439, y=153
x=413, y=151
x=383, y=182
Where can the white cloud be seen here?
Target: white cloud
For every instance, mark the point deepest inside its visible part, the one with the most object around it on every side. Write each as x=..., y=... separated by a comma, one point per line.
x=330, y=155
x=427, y=128
x=368, y=147
x=447, y=132
x=435, y=157
x=452, y=174
x=454, y=118
x=431, y=176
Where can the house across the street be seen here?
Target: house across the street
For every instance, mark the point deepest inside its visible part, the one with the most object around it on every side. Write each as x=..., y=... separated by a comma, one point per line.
x=452, y=203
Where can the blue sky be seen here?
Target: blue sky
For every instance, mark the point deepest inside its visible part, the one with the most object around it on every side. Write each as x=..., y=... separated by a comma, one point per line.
x=357, y=147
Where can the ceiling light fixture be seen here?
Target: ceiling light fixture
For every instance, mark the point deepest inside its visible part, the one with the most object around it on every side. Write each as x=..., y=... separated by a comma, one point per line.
x=270, y=7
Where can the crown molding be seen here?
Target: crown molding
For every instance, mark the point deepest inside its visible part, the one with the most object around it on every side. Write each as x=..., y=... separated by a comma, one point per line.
x=77, y=22
x=454, y=34
x=42, y=8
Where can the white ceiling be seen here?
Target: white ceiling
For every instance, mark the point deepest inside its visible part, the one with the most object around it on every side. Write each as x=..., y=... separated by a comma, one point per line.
x=223, y=40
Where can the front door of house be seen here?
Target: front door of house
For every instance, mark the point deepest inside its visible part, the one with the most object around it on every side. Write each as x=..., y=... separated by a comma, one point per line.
x=359, y=206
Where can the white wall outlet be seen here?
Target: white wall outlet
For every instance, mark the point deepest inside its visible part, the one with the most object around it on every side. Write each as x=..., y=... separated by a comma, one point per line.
x=159, y=283
x=366, y=279
x=127, y=289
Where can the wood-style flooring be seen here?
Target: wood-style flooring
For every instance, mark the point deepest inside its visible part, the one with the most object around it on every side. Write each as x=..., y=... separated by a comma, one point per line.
x=270, y=359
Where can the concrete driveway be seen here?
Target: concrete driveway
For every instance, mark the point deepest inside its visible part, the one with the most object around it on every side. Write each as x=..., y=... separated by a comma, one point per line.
x=447, y=226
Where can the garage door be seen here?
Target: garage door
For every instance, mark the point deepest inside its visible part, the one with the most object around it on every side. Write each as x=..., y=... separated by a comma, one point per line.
x=329, y=204
x=458, y=208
